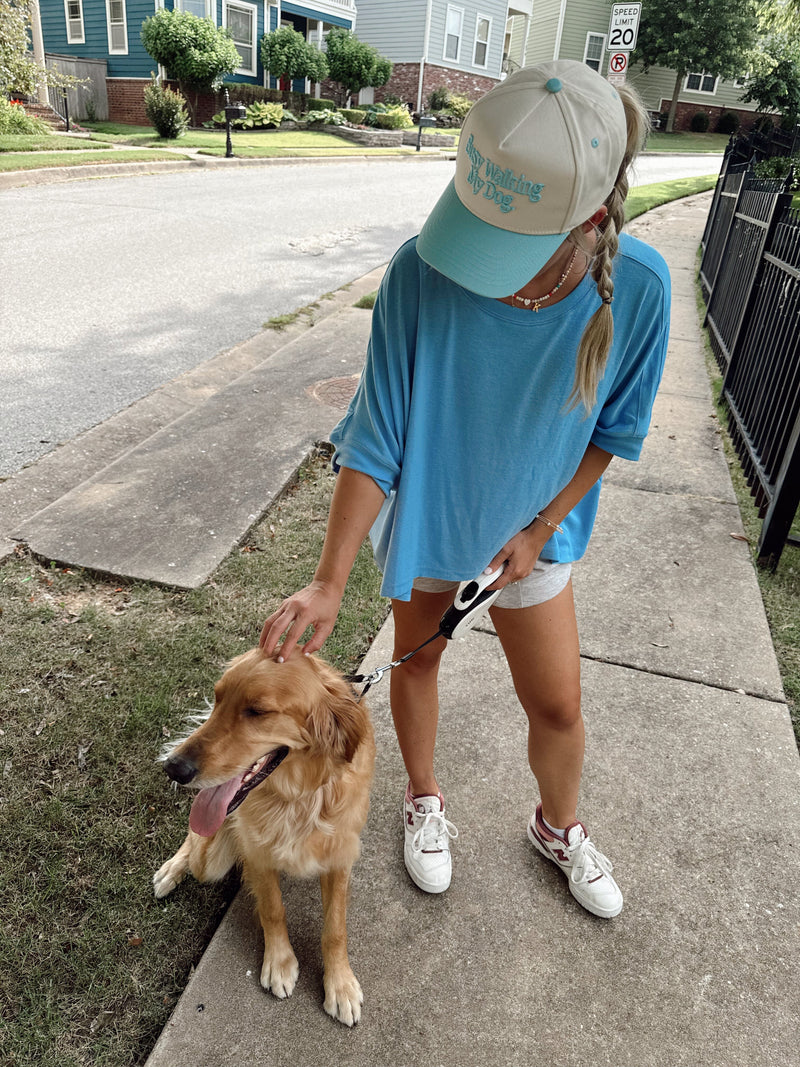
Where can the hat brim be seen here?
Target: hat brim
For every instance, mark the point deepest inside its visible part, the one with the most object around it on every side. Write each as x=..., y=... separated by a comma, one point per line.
x=478, y=256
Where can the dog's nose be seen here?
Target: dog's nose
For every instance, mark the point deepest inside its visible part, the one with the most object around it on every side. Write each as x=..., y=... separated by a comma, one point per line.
x=181, y=769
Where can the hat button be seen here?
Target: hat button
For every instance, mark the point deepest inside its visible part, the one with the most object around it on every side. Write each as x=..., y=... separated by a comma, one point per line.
x=553, y=85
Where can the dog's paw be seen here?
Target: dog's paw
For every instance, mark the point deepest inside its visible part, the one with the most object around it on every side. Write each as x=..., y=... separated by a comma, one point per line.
x=279, y=974
x=343, y=998
x=167, y=877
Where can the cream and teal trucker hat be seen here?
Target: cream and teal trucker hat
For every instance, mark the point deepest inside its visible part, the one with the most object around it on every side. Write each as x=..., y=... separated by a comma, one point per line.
x=537, y=156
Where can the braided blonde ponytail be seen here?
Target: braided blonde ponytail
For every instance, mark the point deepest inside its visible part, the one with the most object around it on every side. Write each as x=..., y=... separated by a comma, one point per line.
x=599, y=332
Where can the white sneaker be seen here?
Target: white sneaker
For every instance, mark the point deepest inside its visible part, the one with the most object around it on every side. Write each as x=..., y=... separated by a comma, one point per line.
x=588, y=871
x=427, y=842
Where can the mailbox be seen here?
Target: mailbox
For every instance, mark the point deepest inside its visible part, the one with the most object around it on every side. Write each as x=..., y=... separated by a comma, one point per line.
x=232, y=113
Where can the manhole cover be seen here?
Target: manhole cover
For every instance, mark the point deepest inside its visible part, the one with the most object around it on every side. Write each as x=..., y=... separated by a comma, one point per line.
x=335, y=392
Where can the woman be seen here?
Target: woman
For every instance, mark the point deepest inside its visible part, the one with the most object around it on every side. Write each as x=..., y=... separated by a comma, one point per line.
x=516, y=346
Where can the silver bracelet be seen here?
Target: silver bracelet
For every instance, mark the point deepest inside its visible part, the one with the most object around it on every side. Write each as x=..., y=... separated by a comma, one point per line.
x=548, y=522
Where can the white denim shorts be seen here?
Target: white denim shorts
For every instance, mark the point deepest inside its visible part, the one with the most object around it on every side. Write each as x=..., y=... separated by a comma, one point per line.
x=545, y=581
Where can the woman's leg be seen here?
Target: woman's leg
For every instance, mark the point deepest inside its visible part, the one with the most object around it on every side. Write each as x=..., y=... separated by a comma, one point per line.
x=414, y=686
x=543, y=653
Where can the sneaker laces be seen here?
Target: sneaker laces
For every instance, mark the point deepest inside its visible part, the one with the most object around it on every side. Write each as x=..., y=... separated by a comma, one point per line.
x=432, y=832
x=586, y=859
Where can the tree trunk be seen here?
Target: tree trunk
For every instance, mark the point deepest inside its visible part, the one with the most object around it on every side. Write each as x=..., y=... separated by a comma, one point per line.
x=674, y=105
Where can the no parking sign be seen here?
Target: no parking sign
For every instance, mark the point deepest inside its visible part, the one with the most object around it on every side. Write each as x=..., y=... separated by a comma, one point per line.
x=618, y=63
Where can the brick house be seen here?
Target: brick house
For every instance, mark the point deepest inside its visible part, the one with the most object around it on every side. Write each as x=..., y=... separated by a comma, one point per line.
x=464, y=45
x=578, y=29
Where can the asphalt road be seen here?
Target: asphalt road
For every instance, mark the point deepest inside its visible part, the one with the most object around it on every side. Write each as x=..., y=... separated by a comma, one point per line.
x=113, y=287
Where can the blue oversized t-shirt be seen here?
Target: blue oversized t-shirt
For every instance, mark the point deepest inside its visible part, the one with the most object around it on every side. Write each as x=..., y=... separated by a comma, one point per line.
x=461, y=415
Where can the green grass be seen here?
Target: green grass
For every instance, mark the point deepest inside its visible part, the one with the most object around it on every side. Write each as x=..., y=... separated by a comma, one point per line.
x=686, y=142
x=342, y=148
x=780, y=589
x=94, y=677
x=11, y=161
x=645, y=197
x=367, y=301
x=11, y=142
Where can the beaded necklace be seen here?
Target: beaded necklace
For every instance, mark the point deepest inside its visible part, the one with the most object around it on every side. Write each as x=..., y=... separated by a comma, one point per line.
x=537, y=301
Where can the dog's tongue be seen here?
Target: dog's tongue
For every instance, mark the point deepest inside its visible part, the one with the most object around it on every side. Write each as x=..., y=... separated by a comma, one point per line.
x=211, y=806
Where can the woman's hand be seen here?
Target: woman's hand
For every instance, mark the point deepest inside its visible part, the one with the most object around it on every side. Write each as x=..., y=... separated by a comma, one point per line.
x=519, y=554
x=317, y=606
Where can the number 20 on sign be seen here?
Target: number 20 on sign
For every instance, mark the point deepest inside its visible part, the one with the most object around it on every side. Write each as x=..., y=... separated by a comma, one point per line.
x=623, y=27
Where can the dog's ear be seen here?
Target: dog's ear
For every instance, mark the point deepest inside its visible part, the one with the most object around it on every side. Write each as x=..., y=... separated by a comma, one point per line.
x=337, y=722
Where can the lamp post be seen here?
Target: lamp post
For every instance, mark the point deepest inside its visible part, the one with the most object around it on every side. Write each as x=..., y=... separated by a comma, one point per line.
x=232, y=112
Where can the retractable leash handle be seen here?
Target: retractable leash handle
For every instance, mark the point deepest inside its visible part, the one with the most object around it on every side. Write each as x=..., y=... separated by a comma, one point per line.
x=472, y=601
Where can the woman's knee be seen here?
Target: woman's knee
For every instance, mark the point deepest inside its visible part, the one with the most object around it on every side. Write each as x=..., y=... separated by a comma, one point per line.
x=559, y=711
x=423, y=663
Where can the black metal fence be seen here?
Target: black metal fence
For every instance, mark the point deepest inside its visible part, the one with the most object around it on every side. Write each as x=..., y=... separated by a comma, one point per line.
x=750, y=278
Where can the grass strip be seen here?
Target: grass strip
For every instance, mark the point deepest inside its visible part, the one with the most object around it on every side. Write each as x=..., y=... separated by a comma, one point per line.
x=342, y=149
x=780, y=589
x=10, y=142
x=644, y=198
x=94, y=677
x=686, y=141
x=11, y=161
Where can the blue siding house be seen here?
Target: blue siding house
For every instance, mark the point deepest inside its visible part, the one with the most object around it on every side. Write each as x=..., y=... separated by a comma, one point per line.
x=110, y=30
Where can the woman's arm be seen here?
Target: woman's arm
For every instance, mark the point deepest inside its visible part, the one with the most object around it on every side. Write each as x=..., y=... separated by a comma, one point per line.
x=522, y=551
x=357, y=499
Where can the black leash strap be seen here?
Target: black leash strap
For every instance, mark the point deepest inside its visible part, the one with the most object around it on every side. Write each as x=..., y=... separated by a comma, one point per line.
x=375, y=676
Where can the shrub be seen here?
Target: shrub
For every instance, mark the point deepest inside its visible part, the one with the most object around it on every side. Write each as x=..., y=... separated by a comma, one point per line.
x=728, y=122
x=777, y=167
x=261, y=114
x=327, y=116
x=354, y=115
x=15, y=119
x=395, y=118
x=700, y=122
x=439, y=98
x=165, y=110
x=459, y=105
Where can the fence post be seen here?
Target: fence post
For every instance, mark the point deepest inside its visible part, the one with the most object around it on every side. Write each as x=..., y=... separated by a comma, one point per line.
x=711, y=282
x=712, y=211
x=781, y=202
x=783, y=507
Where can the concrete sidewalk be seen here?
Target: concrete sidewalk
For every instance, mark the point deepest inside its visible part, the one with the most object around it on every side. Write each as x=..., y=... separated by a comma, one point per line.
x=691, y=785
x=691, y=782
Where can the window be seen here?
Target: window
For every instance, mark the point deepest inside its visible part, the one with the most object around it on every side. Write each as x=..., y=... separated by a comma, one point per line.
x=593, y=52
x=117, y=27
x=240, y=18
x=701, y=82
x=452, y=32
x=483, y=29
x=202, y=8
x=73, y=11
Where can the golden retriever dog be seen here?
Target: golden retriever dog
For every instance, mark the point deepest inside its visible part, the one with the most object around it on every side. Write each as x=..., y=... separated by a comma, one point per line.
x=283, y=765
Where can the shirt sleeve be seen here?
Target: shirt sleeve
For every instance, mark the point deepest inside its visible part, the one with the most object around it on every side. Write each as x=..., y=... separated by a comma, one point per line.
x=624, y=419
x=371, y=437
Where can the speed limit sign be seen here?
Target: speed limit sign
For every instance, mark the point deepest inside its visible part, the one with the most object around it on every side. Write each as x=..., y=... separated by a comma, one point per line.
x=623, y=27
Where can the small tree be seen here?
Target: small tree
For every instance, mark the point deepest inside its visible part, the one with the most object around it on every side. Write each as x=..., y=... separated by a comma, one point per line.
x=286, y=53
x=775, y=85
x=196, y=53
x=715, y=36
x=354, y=65
x=18, y=72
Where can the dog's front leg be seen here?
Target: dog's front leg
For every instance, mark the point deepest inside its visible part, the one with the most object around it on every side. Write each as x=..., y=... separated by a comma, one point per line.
x=343, y=996
x=280, y=968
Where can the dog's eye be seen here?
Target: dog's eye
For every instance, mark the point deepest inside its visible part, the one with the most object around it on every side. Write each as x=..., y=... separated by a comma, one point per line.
x=251, y=712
